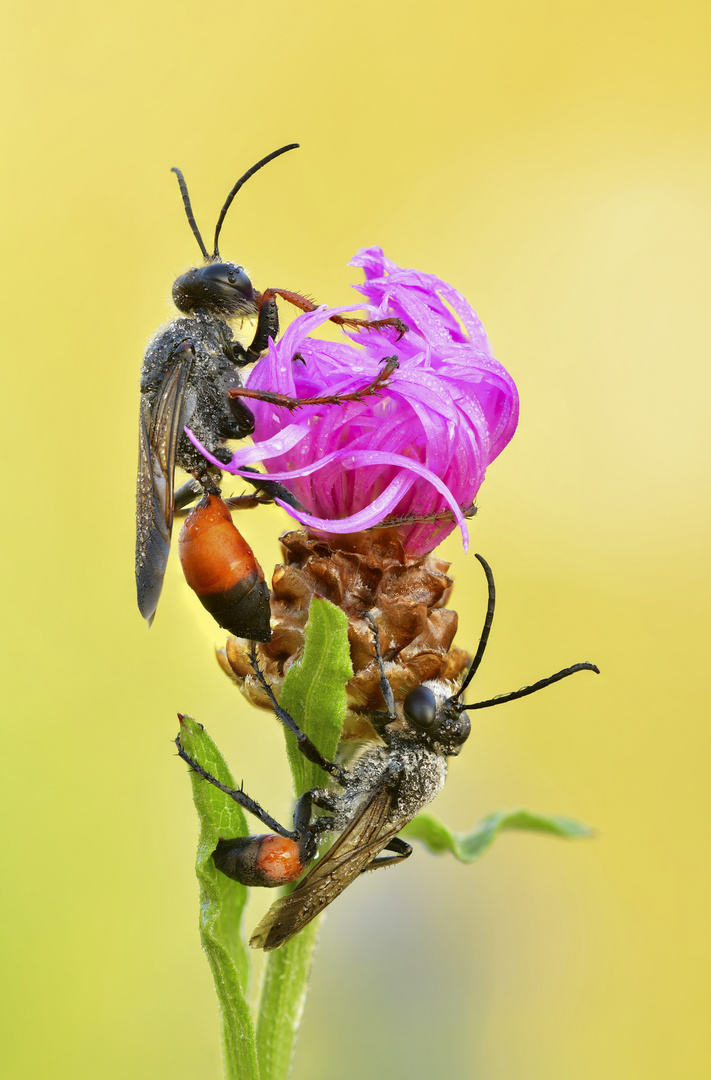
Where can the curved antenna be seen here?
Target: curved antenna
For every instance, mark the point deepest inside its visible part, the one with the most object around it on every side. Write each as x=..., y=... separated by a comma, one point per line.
x=501, y=699
x=189, y=210
x=238, y=185
x=486, y=629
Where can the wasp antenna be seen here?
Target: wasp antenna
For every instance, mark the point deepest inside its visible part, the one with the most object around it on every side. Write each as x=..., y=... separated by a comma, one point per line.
x=526, y=690
x=189, y=210
x=486, y=629
x=238, y=185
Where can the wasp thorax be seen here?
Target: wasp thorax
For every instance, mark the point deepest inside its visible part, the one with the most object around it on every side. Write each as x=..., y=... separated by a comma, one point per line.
x=219, y=288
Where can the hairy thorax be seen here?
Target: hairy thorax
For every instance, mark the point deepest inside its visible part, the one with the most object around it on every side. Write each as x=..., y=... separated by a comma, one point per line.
x=420, y=774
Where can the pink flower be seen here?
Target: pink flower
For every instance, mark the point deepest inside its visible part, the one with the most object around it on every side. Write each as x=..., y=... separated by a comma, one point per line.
x=420, y=447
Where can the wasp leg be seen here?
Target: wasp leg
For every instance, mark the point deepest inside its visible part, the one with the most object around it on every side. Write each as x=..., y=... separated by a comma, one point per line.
x=384, y=684
x=390, y=364
x=239, y=796
x=304, y=304
x=380, y=720
x=267, y=327
x=267, y=492
x=423, y=519
x=236, y=502
x=402, y=850
x=204, y=482
x=242, y=421
x=271, y=488
x=310, y=751
x=306, y=802
x=309, y=831
x=189, y=491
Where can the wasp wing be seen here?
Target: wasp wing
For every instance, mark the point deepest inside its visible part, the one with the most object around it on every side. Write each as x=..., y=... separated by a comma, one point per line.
x=368, y=833
x=159, y=431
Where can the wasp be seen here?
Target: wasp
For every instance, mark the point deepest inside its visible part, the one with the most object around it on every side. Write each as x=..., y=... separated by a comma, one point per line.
x=190, y=378
x=368, y=803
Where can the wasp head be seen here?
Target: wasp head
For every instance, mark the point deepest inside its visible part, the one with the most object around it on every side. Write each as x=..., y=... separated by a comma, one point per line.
x=437, y=719
x=219, y=288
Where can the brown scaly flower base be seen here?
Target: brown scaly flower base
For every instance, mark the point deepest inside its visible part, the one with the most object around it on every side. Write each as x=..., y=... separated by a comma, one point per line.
x=367, y=571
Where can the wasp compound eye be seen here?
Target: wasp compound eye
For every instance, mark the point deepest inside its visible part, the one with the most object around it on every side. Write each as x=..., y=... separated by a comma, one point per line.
x=420, y=707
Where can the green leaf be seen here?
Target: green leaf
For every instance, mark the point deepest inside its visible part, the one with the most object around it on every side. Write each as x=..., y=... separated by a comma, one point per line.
x=469, y=846
x=222, y=903
x=314, y=691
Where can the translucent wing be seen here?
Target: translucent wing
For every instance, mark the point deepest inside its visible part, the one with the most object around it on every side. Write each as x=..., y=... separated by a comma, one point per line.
x=159, y=431
x=369, y=832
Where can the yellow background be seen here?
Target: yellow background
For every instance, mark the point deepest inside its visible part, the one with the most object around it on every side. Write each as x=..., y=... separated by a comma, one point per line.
x=551, y=160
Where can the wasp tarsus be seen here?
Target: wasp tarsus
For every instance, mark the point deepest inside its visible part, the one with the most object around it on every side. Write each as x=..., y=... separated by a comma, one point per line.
x=378, y=796
x=284, y=401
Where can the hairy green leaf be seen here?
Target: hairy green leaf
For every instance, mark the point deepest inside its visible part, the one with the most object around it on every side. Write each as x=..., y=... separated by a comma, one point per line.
x=314, y=691
x=222, y=903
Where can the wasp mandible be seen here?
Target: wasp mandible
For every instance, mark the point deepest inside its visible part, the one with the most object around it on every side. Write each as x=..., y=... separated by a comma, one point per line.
x=190, y=378
x=368, y=803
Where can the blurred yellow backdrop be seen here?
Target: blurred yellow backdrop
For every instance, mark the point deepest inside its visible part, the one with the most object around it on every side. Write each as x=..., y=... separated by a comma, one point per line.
x=551, y=160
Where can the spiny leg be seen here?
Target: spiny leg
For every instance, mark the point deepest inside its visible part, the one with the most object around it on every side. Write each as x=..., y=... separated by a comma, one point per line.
x=385, y=686
x=423, y=519
x=284, y=401
x=269, y=489
x=402, y=850
x=307, y=748
x=266, y=492
x=304, y=304
x=235, y=502
x=239, y=796
x=267, y=328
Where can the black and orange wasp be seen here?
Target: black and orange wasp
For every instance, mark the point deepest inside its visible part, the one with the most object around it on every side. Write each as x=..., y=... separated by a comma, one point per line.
x=190, y=378
x=368, y=803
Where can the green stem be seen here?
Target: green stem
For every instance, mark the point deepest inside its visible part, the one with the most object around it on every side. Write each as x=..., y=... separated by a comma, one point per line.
x=282, y=1001
x=238, y=1045
x=314, y=693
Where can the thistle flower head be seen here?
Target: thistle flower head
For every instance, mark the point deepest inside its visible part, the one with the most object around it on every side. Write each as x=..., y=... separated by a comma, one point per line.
x=417, y=449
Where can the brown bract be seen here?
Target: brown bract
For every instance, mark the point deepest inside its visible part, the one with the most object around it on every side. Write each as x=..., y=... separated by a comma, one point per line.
x=367, y=571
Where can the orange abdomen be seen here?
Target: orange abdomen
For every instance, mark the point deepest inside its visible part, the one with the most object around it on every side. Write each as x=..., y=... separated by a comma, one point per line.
x=220, y=567
x=267, y=860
